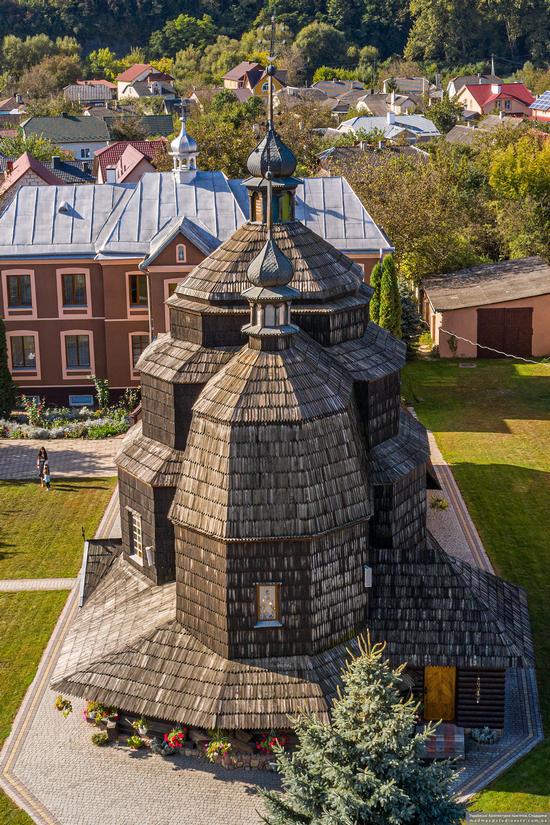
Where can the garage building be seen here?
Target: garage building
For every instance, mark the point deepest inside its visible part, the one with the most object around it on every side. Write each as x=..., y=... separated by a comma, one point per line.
x=490, y=309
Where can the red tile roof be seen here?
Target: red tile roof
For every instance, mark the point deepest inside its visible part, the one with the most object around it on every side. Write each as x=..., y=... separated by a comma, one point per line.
x=110, y=155
x=134, y=71
x=26, y=163
x=483, y=92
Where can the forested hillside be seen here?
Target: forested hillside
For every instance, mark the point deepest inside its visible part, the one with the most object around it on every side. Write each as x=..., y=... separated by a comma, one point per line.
x=452, y=32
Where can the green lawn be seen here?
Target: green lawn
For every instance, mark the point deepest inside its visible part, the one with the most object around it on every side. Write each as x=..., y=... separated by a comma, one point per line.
x=41, y=531
x=26, y=623
x=492, y=423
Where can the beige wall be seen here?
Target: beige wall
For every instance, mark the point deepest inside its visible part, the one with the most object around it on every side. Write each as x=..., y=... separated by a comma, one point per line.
x=464, y=322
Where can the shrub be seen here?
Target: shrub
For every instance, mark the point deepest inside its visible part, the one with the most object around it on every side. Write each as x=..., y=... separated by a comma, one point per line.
x=100, y=738
x=439, y=503
x=7, y=386
x=64, y=706
x=107, y=429
x=135, y=742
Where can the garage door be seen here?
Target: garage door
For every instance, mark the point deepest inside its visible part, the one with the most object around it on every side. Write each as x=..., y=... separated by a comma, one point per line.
x=508, y=330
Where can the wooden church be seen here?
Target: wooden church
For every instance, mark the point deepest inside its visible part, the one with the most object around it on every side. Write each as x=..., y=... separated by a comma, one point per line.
x=273, y=504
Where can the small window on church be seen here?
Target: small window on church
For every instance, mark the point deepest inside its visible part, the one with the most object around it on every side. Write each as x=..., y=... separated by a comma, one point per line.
x=285, y=207
x=136, y=537
x=180, y=253
x=257, y=207
x=268, y=605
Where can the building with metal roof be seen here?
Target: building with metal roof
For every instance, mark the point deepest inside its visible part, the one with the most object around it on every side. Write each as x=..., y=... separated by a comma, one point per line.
x=78, y=134
x=414, y=127
x=540, y=108
x=491, y=309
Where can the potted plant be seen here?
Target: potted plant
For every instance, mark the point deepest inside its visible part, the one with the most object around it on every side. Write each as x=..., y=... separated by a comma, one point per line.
x=218, y=748
x=174, y=739
x=100, y=738
x=484, y=737
x=135, y=742
x=141, y=725
x=269, y=742
x=64, y=706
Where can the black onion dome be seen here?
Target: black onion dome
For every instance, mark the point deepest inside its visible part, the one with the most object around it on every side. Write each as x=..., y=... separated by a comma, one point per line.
x=271, y=267
x=271, y=153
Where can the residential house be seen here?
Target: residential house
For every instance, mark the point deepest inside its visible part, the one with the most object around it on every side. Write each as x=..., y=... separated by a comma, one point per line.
x=336, y=88
x=96, y=264
x=143, y=80
x=412, y=128
x=11, y=107
x=466, y=135
x=28, y=171
x=455, y=84
x=540, y=108
x=78, y=134
x=408, y=85
x=202, y=97
x=252, y=76
x=110, y=157
x=152, y=125
x=91, y=92
x=339, y=158
x=509, y=98
x=491, y=309
x=380, y=103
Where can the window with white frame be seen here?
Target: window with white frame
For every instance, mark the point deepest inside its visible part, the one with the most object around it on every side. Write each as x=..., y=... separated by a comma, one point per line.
x=85, y=154
x=136, y=536
x=180, y=253
x=268, y=605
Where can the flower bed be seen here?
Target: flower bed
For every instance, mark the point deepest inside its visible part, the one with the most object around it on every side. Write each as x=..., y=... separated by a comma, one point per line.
x=63, y=422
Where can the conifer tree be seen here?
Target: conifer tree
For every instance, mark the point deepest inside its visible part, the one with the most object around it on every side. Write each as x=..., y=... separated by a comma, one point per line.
x=7, y=387
x=390, y=298
x=363, y=767
x=375, y=280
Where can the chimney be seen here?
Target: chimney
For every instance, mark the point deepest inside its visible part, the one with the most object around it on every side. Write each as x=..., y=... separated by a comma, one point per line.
x=56, y=161
x=392, y=99
x=111, y=174
x=438, y=81
x=390, y=118
x=496, y=88
x=479, y=79
x=9, y=166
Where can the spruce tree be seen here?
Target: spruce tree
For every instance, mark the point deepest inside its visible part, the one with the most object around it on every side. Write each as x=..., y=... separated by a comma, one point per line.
x=363, y=767
x=7, y=387
x=375, y=280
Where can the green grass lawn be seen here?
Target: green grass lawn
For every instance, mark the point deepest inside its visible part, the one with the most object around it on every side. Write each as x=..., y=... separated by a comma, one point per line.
x=26, y=623
x=492, y=423
x=41, y=531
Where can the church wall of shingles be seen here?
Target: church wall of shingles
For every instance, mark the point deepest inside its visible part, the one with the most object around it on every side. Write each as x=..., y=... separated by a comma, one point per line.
x=338, y=595
x=379, y=403
x=271, y=562
x=329, y=328
x=152, y=504
x=399, y=518
x=201, y=588
x=166, y=410
x=185, y=326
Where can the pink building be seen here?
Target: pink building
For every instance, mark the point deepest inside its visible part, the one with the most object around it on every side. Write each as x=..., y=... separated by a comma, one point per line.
x=509, y=98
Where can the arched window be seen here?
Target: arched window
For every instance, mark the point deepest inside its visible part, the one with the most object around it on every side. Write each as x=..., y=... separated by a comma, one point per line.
x=180, y=253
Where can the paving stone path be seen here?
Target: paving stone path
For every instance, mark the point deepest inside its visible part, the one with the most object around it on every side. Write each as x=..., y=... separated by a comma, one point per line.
x=68, y=457
x=15, y=585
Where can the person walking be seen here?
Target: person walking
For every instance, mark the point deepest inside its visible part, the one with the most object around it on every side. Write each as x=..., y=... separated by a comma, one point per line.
x=41, y=460
x=47, y=477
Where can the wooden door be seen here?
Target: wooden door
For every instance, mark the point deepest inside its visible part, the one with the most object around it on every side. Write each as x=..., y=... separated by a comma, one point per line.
x=506, y=329
x=439, y=693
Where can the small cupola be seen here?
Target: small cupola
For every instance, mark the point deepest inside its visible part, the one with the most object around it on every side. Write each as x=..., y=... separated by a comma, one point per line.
x=273, y=154
x=183, y=150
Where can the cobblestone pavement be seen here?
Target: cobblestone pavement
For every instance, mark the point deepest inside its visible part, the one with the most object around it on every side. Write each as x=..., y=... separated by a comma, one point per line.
x=14, y=585
x=68, y=457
